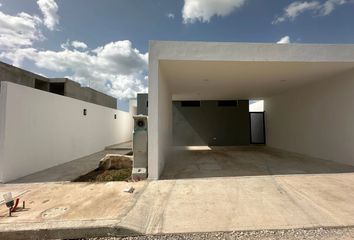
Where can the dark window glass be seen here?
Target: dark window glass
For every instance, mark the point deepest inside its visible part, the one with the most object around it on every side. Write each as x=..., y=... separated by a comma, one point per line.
x=57, y=88
x=41, y=85
x=257, y=128
x=228, y=103
x=190, y=104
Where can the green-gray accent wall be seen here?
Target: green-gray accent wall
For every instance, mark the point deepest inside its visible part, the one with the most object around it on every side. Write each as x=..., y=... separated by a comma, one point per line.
x=211, y=124
x=208, y=124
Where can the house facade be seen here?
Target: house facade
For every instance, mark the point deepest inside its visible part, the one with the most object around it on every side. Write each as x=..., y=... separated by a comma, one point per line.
x=199, y=94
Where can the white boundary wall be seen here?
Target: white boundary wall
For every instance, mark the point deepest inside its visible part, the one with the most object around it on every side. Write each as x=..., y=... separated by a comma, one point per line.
x=39, y=130
x=315, y=120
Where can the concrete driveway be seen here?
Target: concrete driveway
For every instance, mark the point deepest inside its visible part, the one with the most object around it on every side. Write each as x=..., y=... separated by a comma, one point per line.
x=244, y=203
x=304, y=193
x=203, y=162
x=245, y=188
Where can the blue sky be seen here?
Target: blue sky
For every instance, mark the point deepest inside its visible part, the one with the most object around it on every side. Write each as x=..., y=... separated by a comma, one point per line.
x=104, y=43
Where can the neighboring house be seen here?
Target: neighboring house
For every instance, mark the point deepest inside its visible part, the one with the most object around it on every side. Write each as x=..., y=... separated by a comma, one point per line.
x=46, y=122
x=61, y=86
x=199, y=94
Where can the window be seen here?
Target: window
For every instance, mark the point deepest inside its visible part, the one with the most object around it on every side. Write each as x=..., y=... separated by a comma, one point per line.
x=41, y=85
x=57, y=88
x=228, y=103
x=190, y=104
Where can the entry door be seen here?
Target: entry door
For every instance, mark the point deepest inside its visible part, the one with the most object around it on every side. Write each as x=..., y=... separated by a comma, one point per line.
x=257, y=128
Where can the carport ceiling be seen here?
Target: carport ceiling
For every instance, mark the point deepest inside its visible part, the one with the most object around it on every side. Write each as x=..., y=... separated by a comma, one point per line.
x=218, y=80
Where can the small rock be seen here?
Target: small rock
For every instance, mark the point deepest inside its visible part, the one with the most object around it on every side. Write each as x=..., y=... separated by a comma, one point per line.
x=115, y=161
x=129, y=189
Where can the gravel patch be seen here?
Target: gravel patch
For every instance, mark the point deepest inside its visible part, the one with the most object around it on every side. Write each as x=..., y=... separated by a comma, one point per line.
x=293, y=234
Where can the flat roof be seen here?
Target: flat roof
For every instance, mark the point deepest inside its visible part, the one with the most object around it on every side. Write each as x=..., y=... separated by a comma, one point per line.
x=217, y=71
x=234, y=51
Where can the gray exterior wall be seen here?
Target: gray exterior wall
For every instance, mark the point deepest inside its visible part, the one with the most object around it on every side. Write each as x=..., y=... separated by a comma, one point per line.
x=71, y=89
x=74, y=90
x=93, y=96
x=211, y=124
x=142, y=99
x=19, y=76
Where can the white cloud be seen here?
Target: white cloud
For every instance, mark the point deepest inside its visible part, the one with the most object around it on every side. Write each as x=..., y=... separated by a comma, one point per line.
x=66, y=45
x=296, y=8
x=49, y=8
x=23, y=29
x=170, y=15
x=115, y=68
x=204, y=10
x=284, y=40
x=329, y=6
x=19, y=30
x=78, y=44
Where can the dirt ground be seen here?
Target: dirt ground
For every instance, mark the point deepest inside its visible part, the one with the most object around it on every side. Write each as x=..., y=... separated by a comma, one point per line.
x=98, y=175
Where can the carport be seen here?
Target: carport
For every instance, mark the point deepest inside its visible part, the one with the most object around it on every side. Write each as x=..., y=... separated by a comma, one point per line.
x=244, y=161
x=307, y=90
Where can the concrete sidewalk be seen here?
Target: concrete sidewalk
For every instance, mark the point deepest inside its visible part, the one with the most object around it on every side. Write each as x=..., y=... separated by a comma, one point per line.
x=72, y=210
x=121, y=146
x=68, y=210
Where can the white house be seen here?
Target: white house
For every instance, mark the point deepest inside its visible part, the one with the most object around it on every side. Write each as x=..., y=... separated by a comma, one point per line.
x=308, y=92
